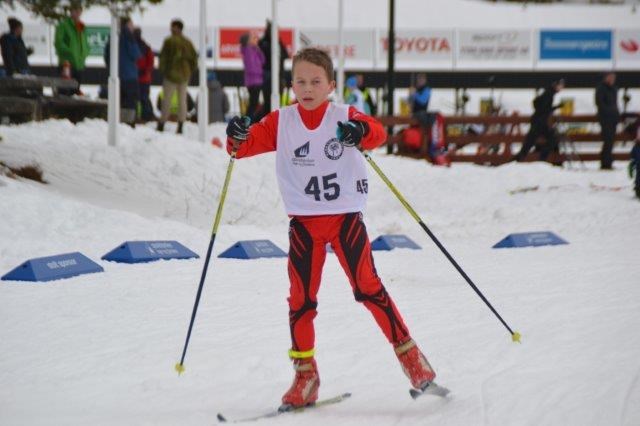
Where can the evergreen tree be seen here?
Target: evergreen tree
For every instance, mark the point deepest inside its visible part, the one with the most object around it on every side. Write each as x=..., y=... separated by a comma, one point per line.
x=55, y=9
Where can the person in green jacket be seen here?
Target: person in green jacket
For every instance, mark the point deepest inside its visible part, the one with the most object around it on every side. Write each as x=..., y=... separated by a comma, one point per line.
x=178, y=60
x=71, y=46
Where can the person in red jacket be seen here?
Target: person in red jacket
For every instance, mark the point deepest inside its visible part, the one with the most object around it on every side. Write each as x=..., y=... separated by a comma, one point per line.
x=322, y=177
x=145, y=72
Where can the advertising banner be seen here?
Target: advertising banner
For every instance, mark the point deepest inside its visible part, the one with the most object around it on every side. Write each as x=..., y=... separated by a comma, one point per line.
x=628, y=49
x=422, y=48
x=97, y=38
x=572, y=45
x=488, y=47
x=229, y=40
x=358, y=44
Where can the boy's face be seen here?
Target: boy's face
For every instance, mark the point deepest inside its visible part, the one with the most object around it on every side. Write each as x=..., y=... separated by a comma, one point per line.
x=311, y=85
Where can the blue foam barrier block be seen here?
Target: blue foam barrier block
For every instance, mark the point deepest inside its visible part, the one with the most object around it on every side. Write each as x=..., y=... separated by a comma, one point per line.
x=253, y=249
x=148, y=251
x=53, y=268
x=530, y=239
x=390, y=241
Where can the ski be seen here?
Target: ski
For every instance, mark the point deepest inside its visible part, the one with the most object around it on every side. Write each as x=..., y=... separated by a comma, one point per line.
x=430, y=389
x=286, y=409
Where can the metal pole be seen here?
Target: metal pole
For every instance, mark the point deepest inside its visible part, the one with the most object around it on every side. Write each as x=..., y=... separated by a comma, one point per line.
x=340, y=76
x=203, y=104
x=391, y=46
x=114, y=81
x=275, y=57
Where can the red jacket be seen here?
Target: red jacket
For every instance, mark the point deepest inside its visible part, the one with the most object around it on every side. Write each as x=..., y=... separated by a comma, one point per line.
x=145, y=66
x=263, y=135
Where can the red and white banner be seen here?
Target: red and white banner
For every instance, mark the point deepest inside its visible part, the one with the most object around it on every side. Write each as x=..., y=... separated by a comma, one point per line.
x=627, y=49
x=358, y=44
x=228, y=40
x=428, y=48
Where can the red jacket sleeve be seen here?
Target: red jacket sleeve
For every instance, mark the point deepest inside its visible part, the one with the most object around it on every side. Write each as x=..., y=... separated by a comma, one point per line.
x=377, y=134
x=262, y=137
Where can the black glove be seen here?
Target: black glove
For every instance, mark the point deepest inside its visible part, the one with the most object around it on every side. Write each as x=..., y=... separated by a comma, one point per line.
x=351, y=132
x=238, y=128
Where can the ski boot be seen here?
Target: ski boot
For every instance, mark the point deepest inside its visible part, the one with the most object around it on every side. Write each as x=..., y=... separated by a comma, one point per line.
x=304, y=390
x=414, y=364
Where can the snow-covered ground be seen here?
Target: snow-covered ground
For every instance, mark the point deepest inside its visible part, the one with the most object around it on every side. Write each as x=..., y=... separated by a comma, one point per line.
x=99, y=349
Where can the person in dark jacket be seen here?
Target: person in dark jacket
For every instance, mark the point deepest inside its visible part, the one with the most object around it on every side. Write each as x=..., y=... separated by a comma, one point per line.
x=145, y=73
x=265, y=45
x=541, y=123
x=218, y=99
x=634, y=166
x=128, y=55
x=608, y=116
x=14, y=51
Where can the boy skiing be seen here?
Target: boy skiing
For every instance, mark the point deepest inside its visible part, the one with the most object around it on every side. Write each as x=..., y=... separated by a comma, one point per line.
x=323, y=183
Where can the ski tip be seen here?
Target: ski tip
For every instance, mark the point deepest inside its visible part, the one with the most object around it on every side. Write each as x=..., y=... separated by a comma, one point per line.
x=414, y=393
x=221, y=418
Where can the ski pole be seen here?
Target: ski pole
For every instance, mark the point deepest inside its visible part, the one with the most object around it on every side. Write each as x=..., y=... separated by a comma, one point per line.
x=179, y=367
x=515, y=336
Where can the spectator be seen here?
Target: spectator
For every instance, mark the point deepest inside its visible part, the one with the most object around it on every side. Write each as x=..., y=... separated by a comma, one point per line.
x=608, y=115
x=368, y=97
x=14, y=51
x=178, y=60
x=174, y=106
x=354, y=96
x=635, y=164
x=72, y=47
x=265, y=46
x=541, y=123
x=145, y=66
x=128, y=55
x=420, y=95
x=253, y=60
x=218, y=99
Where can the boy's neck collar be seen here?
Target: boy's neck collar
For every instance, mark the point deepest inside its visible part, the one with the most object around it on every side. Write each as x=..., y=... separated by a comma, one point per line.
x=312, y=118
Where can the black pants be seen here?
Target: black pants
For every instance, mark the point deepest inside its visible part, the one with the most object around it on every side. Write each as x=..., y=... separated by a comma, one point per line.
x=146, y=108
x=77, y=75
x=129, y=94
x=608, y=131
x=254, y=98
x=539, y=129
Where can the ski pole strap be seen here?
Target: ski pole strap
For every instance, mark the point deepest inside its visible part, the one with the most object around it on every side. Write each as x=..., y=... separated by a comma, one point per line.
x=301, y=355
x=392, y=187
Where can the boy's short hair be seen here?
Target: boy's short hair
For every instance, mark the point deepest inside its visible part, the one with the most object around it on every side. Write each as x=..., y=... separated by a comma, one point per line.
x=317, y=57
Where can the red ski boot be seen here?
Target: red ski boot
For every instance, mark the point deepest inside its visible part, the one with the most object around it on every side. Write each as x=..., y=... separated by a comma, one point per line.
x=414, y=364
x=304, y=390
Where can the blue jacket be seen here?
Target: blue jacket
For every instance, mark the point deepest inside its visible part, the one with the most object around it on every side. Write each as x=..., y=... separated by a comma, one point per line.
x=128, y=54
x=420, y=99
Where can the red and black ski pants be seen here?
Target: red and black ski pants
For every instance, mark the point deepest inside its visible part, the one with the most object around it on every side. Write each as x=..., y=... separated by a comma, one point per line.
x=308, y=236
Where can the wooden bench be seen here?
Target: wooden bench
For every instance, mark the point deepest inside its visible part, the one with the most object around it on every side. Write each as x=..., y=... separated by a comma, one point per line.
x=495, y=144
